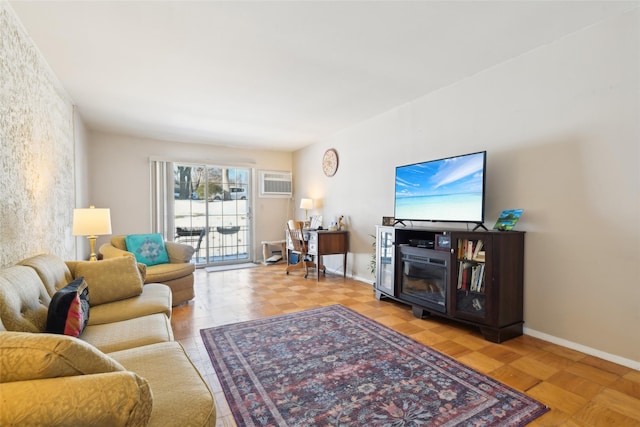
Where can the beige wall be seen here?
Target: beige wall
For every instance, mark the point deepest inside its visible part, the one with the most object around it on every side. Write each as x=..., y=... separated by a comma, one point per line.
x=561, y=128
x=120, y=180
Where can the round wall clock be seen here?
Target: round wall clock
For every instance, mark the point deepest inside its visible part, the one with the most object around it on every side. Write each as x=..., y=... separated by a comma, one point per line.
x=330, y=162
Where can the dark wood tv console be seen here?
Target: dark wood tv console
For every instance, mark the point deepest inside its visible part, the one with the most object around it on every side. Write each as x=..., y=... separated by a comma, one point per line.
x=474, y=277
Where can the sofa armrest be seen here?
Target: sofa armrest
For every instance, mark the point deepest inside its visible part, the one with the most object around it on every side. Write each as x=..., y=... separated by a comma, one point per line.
x=179, y=252
x=109, y=399
x=109, y=251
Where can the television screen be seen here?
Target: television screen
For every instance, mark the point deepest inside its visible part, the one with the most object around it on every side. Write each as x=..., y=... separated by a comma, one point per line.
x=450, y=189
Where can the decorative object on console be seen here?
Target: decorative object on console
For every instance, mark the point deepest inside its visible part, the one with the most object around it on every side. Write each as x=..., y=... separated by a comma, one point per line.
x=92, y=223
x=341, y=224
x=330, y=162
x=508, y=219
x=388, y=220
x=442, y=242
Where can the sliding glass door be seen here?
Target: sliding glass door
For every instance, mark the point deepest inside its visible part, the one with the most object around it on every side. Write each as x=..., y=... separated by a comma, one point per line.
x=212, y=212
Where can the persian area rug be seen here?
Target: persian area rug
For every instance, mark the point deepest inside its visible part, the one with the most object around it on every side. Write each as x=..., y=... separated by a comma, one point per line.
x=334, y=367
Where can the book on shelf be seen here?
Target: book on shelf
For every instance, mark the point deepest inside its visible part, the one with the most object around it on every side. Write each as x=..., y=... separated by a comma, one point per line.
x=477, y=278
x=474, y=278
x=464, y=275
x=480, y=278
x=471, y=276
x=471, y=249
x=476, y=250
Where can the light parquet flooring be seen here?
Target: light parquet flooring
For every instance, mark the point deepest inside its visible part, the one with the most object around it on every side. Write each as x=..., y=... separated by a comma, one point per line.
x=581, y=390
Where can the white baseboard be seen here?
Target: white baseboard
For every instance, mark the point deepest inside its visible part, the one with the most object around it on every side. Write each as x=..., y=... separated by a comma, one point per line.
x=338, y=272
x=633, y=364
x=361, y=279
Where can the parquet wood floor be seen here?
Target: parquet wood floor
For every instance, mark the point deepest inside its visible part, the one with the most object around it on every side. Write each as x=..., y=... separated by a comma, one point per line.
x=581, y=390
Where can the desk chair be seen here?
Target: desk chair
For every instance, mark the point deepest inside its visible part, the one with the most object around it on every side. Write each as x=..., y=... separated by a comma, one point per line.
x=300, y=247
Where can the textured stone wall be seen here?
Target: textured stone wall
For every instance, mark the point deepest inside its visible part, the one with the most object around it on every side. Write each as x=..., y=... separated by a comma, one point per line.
x=36, y=151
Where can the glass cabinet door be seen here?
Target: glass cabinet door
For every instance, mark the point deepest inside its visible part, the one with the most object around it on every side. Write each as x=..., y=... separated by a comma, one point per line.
x=385, y=261
x=473, y=277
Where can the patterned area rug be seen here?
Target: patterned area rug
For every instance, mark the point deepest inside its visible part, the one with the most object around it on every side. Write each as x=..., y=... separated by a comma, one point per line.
x=332, y=366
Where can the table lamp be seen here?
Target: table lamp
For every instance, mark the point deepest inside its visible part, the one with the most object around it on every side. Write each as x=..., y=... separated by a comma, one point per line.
x=91, y=222
x=306, y=204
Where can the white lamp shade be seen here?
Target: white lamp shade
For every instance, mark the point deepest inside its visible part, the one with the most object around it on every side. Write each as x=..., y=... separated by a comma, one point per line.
x=306, y=204
x=91, y=222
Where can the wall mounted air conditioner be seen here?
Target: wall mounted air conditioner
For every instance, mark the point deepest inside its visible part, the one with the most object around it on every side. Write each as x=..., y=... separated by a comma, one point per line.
x=275, y=184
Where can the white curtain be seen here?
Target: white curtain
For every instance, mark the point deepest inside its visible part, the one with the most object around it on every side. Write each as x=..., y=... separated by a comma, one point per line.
x=162, y=215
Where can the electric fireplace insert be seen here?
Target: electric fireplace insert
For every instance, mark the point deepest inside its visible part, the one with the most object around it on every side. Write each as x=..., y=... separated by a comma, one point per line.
x=424, y=277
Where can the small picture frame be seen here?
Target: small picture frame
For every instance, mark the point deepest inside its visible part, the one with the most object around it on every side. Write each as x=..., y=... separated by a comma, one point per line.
x=508, y=219
x=388, y=220
x=316, y=222
x=442, y=242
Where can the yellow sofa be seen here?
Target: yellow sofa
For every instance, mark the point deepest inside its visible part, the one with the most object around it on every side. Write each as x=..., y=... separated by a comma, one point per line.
x=177, y=273
x=124, y=369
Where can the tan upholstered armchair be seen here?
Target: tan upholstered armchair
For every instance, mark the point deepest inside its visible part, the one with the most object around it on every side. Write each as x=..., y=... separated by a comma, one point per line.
x=177, y=273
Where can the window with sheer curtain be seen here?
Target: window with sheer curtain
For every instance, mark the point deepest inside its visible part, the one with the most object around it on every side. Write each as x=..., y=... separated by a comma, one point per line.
x=162, y=216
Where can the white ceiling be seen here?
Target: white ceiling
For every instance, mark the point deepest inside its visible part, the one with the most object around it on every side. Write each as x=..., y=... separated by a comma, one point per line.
x=277, y=75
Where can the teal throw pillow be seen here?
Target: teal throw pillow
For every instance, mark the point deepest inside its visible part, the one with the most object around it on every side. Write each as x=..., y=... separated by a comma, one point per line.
x=148, y=248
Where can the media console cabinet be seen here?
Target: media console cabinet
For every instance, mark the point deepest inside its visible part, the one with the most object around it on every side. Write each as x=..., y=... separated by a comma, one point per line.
x=474, y=277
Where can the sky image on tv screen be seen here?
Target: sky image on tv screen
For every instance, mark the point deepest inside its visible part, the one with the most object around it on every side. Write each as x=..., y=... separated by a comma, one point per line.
x=448, y=189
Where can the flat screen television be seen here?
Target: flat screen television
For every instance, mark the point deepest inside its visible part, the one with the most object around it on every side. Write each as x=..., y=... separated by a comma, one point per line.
x=443, y=190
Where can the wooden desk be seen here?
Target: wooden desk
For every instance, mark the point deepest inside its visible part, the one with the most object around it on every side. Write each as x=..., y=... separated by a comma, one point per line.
x=325, y=242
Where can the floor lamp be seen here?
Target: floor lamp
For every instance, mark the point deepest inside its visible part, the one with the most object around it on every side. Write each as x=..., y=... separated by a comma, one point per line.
x=91, y=222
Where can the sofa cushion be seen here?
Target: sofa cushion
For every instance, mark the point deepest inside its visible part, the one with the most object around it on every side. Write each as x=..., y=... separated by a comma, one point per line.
x=51, y=269
x=111, y=279
x=28, y=356
x=69, y=309
x=24, y=301
x=155, y=298
x=148, y=248
x=131, y=333
x=141, y=267
x=180, y=395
